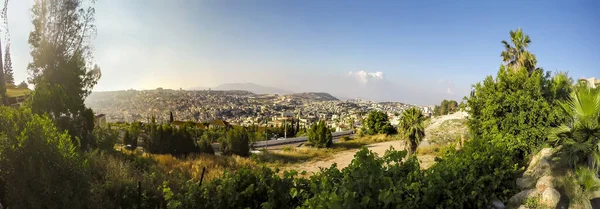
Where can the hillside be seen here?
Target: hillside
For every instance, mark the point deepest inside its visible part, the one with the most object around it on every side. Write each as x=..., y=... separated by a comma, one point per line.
x=444, y=129
x=251, y=87
x=314, y=96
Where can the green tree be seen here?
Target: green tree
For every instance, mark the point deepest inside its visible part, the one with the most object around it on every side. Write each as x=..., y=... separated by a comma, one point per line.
x=518, y=106
x=319, y=135
x=236, y=141
x=205, y=144
x=516, y=55
x=22, y=85
x=8, y=69
x=411, y=126
x=61, y=68
x=377, y=123
x=134, y=130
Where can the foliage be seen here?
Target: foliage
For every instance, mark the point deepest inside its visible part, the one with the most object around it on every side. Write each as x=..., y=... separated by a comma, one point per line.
x=588, y=179
x=205, y=144
x=167, y=139
x=447, y=107
x=23, y=85
x=104, y=139
x=319, y=135
x=471, y=177
x=60, y=68
x=377, y=123
x=40, y=167
x=411, y=126
x=581, y=136
x=236, y=141
x=517, y=106
x=245, y=188
x=516, y=56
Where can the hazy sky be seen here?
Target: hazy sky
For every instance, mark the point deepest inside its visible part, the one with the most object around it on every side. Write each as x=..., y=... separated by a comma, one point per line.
x=424, y=50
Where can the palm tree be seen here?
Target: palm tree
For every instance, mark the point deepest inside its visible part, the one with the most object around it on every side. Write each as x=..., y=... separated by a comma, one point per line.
x=516, y=55
x=580, y=139
x=411, y=125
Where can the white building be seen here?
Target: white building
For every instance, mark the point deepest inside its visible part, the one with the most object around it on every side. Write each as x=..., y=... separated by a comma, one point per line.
x=592, y=82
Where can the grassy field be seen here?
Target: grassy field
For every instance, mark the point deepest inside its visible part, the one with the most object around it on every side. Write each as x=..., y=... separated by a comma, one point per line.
x=16, y=92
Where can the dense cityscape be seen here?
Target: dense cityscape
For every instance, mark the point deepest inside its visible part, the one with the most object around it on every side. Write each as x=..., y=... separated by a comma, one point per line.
x=238, y=107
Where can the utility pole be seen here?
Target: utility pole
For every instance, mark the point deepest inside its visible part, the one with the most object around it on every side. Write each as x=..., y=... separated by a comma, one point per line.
x=266, y=135
x=285, y=128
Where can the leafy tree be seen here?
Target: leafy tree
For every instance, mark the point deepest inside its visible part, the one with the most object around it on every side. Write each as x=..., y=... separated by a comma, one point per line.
x=319, y=135
x=127, y=139
x=446, y=107
x=377, y=123
x=516, y=55
x=236, y=141
x=61, y=69
x=134, y=131
x=205, y=144
x=518, y=106
x=411, y=125
x=22, y=85
x=8, y=70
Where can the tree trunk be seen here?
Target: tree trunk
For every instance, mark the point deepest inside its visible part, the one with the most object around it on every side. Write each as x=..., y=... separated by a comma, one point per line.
x=2, y=82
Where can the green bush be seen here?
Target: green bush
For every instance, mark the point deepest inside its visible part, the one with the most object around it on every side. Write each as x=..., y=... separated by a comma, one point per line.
x=104, y=139
x=236, y=141
x=39, y=166
x=245, y=188
x=319, y=135
x=377, y=123
x=167, y=139
x=518, y=106
x=205, y=144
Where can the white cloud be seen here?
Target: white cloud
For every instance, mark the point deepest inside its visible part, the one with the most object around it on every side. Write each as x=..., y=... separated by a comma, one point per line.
x=364, y=77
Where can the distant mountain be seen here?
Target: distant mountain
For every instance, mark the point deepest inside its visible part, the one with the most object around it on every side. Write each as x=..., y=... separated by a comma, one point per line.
x=314, y=96
x=251, y=87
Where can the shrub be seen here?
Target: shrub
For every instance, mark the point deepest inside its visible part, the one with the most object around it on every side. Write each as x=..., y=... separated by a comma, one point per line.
x=205, y=144
x=319, y=135
x=236, y=141
x=377, y=123
x=104, y=139
x=40, y=167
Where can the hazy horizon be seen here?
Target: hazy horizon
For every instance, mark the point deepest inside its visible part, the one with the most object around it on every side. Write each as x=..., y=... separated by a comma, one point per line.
x=410, y=52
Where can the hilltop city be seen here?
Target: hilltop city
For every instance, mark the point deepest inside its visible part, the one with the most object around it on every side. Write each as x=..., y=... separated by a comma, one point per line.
x=239, y=107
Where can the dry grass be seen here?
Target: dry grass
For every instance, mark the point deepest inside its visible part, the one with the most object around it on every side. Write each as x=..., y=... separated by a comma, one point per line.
x=16, y=92
x=433, y=149
x=192, y=165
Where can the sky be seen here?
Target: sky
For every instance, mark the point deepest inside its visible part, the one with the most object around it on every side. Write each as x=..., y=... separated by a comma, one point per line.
x=418, y=52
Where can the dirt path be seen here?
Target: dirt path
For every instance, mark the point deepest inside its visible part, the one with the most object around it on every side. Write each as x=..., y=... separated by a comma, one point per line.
x=344, y=158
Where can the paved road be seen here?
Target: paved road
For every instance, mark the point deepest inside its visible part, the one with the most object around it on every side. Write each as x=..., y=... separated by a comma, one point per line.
x=288, y=141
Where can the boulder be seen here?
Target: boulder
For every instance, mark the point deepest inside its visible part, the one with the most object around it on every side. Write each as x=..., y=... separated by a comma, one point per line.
x=544, y=182
x=525, y=182
x=497, y=204
x=550, y=197
x=522, y=207
x=539, y=165
x=518, y=198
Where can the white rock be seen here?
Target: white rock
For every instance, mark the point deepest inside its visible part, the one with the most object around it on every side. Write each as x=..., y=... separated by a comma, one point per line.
x=550, y=197
x=544, y=182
